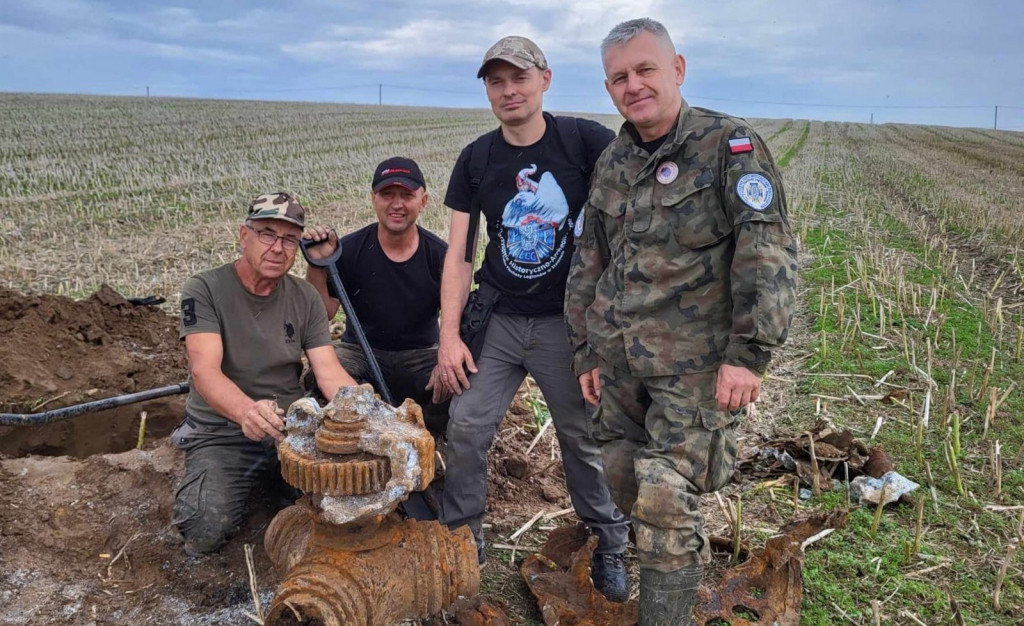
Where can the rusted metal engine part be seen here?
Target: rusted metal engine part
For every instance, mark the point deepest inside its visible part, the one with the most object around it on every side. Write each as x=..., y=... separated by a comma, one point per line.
x=479, y=611
x=363, y=456
x=767, y=588
x=559, y=577
x=343, y=555
x=375, y=573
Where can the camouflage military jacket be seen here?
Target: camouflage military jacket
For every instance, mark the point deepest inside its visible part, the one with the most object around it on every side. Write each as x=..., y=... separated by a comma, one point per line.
x=685, y=259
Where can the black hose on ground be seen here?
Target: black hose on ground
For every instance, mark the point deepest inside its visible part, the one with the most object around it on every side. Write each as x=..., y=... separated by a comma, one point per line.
x=36, y=419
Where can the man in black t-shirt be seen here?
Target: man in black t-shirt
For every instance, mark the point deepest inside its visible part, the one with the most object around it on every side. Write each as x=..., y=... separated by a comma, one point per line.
x=530, y=194
x=391, y=271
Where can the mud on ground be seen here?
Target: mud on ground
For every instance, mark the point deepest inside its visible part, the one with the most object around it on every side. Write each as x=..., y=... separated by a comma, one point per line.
x=86, y=539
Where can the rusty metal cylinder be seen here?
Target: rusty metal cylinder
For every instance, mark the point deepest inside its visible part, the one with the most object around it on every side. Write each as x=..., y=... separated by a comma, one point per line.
x=376, y=574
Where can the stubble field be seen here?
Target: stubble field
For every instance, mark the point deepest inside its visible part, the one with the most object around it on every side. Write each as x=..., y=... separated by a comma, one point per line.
x=909, y=332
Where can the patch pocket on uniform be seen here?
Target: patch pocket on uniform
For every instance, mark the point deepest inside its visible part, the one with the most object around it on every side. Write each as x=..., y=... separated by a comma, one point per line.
x=716, y=419
x=694, y=212
x=188, y=499
x=609, y=199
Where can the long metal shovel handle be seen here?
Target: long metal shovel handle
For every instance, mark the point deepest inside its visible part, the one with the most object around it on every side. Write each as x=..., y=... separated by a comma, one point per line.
x=330, y=264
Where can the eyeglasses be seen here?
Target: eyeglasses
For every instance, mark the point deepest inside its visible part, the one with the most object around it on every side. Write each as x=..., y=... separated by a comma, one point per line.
x=269, y=238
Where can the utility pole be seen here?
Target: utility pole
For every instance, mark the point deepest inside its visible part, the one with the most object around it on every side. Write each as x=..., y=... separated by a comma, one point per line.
x=380, y=94
x=147, y=91
x=995, y=122
x=872, y=117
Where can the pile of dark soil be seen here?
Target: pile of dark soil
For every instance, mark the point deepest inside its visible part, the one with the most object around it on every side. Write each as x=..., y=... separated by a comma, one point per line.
x=57, y=352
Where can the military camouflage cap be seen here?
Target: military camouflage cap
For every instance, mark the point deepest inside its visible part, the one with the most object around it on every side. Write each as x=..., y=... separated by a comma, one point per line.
x=518, y=51
x=277, y=206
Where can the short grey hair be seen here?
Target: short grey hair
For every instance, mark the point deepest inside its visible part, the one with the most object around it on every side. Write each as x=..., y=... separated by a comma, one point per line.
x=626, y=31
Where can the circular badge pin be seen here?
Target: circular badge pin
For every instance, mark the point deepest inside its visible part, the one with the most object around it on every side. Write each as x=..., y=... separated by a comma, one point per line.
x=755, y=191
x=667, y=172
x=577, y=231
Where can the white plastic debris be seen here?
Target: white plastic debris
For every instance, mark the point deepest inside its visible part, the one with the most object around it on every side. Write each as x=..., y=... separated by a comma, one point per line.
x=867, y=490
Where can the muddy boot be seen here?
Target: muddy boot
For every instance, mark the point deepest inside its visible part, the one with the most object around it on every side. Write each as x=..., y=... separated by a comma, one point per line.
x=608, y=571
x=668, y=599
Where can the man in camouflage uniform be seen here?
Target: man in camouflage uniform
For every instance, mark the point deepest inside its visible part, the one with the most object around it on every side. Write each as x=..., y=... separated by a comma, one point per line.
x=682, y=283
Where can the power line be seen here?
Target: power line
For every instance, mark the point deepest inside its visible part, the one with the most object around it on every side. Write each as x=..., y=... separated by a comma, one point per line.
x=300, y=89
x=432, y=89
x=833, y=105
x=849, y=106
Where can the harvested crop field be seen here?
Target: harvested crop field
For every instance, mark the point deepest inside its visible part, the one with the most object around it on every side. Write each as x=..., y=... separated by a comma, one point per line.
x=909, y=336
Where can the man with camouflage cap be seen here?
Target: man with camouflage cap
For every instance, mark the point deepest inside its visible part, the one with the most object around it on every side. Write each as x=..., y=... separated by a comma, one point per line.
x=682, y=284
x=246, y=326
x=528, y=179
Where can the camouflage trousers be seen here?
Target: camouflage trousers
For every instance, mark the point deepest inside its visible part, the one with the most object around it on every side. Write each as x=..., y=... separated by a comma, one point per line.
x=663, y=443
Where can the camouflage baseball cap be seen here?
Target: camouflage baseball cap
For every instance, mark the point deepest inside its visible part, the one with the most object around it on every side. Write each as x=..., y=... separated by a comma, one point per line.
x=518, y=51
x=278, y=206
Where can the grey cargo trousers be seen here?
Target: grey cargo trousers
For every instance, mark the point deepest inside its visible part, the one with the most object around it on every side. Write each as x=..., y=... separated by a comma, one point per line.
x=514, y=346
x=222, y=467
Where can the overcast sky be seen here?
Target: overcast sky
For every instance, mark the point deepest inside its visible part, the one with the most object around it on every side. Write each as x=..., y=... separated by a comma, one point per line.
x=753, y=58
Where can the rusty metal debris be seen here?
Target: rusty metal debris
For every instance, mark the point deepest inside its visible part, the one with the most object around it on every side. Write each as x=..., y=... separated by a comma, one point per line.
x=479, y=612
x=768, y=587
x=831, y=448
x=344, y=556
x=559, y=577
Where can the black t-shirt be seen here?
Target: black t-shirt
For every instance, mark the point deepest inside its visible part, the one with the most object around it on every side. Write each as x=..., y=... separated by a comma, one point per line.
x=531, y=197
x=397, y=303
x=652, y=146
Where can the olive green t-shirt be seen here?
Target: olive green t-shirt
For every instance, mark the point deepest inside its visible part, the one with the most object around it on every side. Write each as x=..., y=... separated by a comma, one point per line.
x=263, y=336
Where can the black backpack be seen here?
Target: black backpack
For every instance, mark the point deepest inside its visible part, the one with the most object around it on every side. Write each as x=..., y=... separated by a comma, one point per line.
x=479, y=154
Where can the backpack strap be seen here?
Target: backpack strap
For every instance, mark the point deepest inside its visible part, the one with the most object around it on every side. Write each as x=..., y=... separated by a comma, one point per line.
x=572, y=140
x=479, y=154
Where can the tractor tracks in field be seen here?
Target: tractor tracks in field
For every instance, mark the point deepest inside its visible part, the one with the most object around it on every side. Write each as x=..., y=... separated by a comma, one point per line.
x=792, y=150
x=1003, y=274
x=977, y=152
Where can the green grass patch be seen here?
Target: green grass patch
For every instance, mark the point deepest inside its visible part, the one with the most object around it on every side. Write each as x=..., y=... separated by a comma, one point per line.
x=791, y=152
x=963, y=541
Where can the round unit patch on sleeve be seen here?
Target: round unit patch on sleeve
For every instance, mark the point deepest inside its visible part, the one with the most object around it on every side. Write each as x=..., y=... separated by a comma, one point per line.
x=577, y=231
x=755, y=191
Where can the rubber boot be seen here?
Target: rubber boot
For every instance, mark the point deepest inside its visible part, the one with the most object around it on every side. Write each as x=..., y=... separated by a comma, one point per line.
x=668, y=599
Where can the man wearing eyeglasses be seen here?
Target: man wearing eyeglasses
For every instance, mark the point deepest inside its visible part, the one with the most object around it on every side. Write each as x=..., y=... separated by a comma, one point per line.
x=246, y=326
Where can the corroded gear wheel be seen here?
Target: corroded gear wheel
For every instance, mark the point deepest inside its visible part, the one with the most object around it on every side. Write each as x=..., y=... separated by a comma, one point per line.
x=333, y=475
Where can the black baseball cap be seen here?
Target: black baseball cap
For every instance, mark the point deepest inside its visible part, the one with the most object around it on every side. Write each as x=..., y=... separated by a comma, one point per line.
x=398, y=171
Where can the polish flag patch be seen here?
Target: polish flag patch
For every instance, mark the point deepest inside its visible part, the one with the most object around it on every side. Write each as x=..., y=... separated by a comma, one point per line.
x=740, y=145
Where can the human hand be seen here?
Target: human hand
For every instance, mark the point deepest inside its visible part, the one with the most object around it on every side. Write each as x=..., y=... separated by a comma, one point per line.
x=327, y=241
x=441, y=391
x=736, y=386
x=453, y=359
x=590, y=385
x=261, y=419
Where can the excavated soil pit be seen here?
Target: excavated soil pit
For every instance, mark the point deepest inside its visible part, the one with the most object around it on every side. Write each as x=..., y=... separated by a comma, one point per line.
x=89, y=540
x=58, y=352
